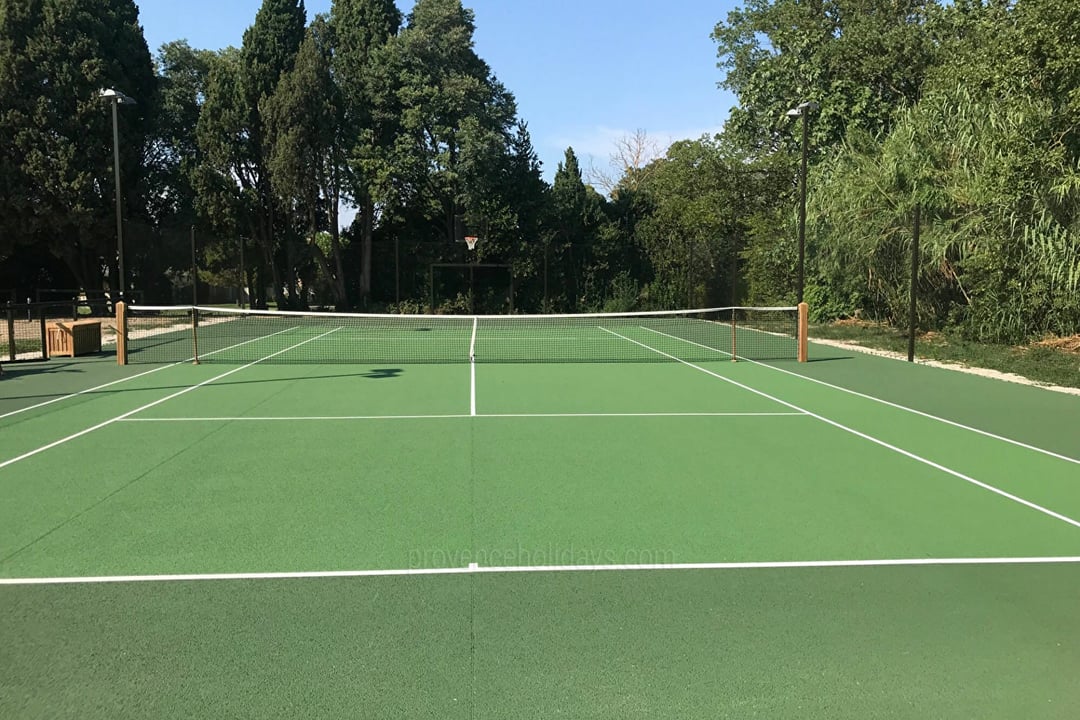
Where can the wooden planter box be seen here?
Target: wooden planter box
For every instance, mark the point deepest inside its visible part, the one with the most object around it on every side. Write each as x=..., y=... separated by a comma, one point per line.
x=73, y=337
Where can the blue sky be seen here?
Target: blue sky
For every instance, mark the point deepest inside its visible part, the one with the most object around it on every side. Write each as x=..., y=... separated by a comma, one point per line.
x=584, y=72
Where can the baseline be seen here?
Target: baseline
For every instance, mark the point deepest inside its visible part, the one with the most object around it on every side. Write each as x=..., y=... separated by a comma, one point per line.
x=476, y=569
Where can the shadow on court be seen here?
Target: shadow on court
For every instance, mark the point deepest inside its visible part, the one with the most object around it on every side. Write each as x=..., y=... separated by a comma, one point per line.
x=28, y=368
x=375, y=374
x=383, y=373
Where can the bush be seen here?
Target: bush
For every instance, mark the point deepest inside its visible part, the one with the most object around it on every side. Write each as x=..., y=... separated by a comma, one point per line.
x=625, y=294
x=407, y=307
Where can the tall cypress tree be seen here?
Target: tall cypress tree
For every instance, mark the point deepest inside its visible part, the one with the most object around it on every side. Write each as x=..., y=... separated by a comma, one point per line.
x=269, y=51
x=578, y=213
x=362, y=28
x=303, y=122
x=457, y=117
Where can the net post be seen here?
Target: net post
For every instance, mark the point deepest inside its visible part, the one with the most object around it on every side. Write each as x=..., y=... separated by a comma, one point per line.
x=11, y=331
x=472, y=341
x=44, y=333
x=804, y=332
x=195, y=334
x=121, y=333
x=734, y=334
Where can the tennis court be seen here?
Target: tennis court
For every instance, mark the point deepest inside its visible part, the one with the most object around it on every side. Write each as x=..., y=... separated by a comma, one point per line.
x=475, y=518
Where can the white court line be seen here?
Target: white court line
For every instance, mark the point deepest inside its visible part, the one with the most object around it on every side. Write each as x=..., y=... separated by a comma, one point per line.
x=476, y=569
x=472, y=368
x=314, y=418
x=429, y=338
x=864, y=436
x=128, y=414
x=856, y=393
x=84, y=392
x=472, y=388
x=115, y=382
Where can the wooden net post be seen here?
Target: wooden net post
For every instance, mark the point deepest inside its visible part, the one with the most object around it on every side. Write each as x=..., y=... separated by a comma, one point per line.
x=121, y=333
x=804, y=332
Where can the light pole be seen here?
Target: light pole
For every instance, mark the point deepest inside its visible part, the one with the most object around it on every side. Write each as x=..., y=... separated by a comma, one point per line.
x=116, y=98
x=803, y=110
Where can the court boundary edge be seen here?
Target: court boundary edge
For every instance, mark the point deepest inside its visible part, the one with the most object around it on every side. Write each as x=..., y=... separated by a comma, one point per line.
x=870, y=438
x=476, y=569
x=889, y=403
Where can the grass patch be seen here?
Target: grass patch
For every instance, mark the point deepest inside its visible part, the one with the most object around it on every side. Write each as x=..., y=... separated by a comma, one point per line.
x=22, y=345
x=1055, y=361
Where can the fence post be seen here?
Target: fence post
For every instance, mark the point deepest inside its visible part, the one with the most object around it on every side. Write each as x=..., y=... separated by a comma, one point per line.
x=44, y=333
x=11, y=331
x=913, y=315
x=547, y=305
x=194, y=271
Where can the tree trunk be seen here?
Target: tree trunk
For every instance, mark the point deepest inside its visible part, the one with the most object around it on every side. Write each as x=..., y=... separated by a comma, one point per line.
x=270, y=258
x=297, y=294
x=341, y=298
x=367, y=230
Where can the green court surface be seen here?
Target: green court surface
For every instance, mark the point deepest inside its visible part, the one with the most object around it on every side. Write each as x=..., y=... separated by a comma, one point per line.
x=847, y=538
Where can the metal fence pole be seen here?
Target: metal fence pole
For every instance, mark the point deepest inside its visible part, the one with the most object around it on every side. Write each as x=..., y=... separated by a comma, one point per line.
x=194, y=271
x=913, y=309
x=11, y=331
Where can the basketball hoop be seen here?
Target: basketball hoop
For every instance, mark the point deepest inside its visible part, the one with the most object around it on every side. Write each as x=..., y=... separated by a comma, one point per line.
x=471, y=241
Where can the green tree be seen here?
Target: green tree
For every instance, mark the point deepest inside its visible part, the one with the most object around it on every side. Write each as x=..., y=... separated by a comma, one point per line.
x=235, y=187
x=577, y=218
x=55, y=131
x=367, y=81
x=990, y=157
x=703, y=198
x=226, y=178
x=860, y=59
x=304, y=124
x=268, y=52
x=183, y=73
x=516, y=207
x=456, y=121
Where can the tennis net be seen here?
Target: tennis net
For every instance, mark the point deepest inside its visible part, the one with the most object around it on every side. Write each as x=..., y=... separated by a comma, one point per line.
x=156, y=334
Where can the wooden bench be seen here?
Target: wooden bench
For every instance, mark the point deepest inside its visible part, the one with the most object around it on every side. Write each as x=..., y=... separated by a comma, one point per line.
x=73, y=337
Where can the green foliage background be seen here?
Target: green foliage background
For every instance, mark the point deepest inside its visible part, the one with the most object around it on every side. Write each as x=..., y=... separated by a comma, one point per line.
x=966, y=110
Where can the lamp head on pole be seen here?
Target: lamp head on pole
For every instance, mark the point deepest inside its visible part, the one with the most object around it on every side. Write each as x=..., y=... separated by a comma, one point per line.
x=116, y=96
x=803, y=108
